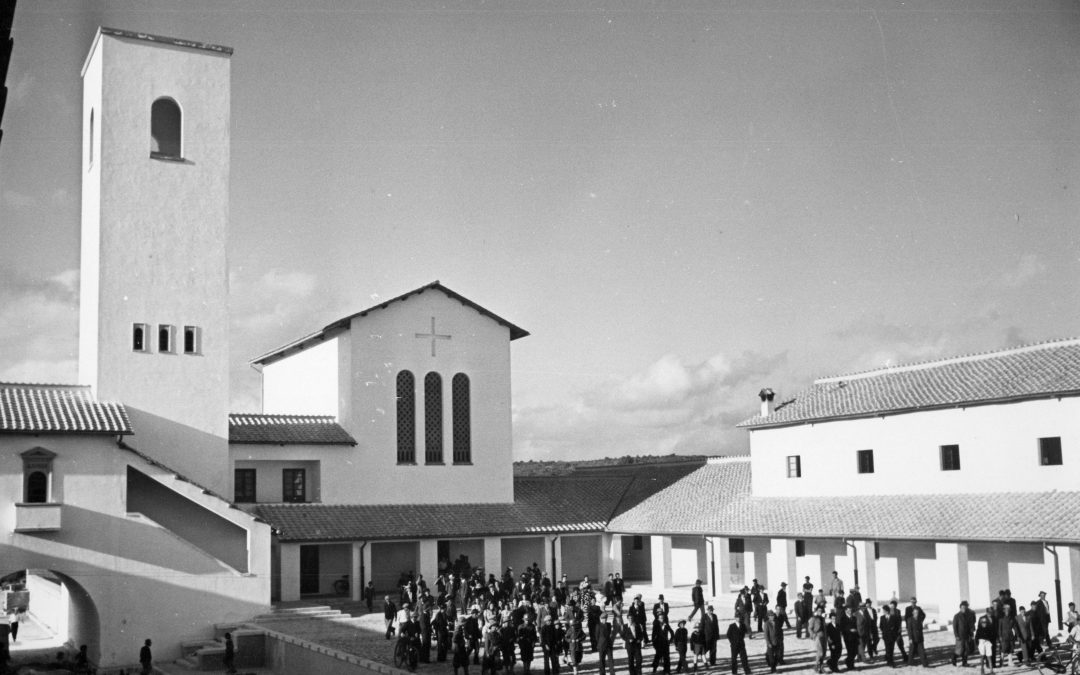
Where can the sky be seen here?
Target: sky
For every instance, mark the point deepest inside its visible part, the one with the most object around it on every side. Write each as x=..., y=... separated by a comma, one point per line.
x=682, y=202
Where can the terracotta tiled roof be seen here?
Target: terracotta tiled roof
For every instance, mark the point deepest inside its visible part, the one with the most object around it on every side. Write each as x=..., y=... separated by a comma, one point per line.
x=716, y=500
x=344, y=323
x=58, y=408
x=287, y=430
x=541, y=505
x=1037, y=371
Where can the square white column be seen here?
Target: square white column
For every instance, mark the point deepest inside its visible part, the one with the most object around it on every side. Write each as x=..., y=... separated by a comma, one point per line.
x=661, y=561
x=493, y=556
x=868, y=570
x=780, y=566
x=611, y=555
x=290, y=571
x=952, y=582
x=429, y=560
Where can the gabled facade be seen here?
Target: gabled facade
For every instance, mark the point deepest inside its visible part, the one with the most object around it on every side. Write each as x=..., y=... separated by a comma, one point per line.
x=421, y=383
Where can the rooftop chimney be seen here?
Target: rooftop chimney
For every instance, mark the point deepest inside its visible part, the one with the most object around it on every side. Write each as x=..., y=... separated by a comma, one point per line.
x=766, y=395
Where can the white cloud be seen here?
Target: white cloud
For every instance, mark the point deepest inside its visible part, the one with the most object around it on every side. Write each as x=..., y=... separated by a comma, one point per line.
x=671, y=406
x=272, y=301
x=39, y=328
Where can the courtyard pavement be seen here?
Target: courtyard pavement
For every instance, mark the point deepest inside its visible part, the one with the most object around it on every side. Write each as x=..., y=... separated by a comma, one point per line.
x=363, y=636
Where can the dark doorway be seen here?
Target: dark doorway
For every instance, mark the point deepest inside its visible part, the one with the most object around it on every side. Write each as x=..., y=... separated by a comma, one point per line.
x=309, y=569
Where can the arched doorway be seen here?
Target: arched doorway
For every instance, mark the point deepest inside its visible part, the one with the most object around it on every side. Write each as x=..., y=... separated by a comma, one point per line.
x=58, y=614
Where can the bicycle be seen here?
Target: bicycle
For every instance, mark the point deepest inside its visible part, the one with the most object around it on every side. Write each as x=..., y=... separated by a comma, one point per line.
x=406, y=654
x=1059, y=659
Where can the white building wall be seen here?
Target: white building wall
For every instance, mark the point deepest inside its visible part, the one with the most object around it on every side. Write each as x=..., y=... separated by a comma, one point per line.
x=117, y=560
x=376, y=348
x=999, y=452
x=304, y=384
x=154, y=244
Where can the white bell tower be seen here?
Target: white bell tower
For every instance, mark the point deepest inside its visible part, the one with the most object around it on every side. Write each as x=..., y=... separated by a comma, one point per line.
x=154, y=321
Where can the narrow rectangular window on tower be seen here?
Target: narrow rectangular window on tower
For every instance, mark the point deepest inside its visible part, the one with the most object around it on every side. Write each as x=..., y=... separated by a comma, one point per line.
x=950, y=458
x=139, y=337
x=166, y=333
x=866, y=461
x=192, y=341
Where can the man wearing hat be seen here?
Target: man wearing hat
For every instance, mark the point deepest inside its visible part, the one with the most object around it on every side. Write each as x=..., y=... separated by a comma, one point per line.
x=736, y=636
x=697, y=597
x=773, y=640
x=682, y=640
x=781, y=603
x=636, y=614
x=661, y=608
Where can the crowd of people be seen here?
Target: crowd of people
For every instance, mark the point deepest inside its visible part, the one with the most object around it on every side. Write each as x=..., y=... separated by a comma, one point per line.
x=497, y=622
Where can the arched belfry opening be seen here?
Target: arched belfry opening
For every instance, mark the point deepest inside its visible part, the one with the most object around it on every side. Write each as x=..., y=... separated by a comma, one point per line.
x=166, y=126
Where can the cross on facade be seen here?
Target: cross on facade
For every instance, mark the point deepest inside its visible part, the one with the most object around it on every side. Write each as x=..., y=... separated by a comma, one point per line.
x=433, y=335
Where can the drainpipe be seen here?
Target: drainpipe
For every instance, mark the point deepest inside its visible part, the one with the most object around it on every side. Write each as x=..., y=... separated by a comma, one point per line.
x=712, y=565
x=363, y=581
x=855, y=557
x=1057, y=581
x=554, y=572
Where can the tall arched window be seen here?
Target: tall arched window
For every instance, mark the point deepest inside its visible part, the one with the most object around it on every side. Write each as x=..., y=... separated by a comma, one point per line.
x=433, y=419
x=406, y=418
x=165, y=129
x=462, y=429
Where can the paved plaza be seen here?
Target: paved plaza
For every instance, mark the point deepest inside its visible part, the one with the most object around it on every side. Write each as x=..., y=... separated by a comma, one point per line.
x=363, y=636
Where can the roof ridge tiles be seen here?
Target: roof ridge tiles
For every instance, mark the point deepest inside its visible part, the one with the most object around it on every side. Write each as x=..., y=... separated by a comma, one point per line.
x=949, y=360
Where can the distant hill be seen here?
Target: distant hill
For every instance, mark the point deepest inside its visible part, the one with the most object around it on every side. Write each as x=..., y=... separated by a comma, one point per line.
x=556, y=468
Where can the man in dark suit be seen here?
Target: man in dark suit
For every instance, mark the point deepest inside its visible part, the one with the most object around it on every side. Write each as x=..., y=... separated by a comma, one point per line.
x=632, y=636
x=963, y=630
x=736, y=636
x=550, y=645
x=661, y=639
x=914, y=617
x=636, y=614
x=851, y=637
x=389, y=614
x=898, y=622
x=661, y=608
x=605, y=644
x=710, y=630
x=835, y=636
x=620, y=587
x=773, y=641
x=863, y=624
x=781, y=602
x=697, y=597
